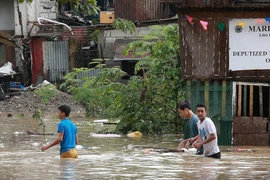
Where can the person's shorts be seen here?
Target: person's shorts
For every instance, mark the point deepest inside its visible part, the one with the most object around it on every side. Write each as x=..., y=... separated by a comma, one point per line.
x=199, y=151
x=217, y=155
x=72, y=153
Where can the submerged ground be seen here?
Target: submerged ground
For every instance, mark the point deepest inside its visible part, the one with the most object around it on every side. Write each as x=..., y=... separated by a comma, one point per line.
x=118, y=157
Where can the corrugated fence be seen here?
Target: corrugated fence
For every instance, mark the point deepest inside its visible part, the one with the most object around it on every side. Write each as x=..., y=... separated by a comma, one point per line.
x=55, y=57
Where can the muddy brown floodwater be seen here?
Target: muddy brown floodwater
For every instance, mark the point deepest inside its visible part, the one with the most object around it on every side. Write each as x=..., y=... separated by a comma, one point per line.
x=118, y=157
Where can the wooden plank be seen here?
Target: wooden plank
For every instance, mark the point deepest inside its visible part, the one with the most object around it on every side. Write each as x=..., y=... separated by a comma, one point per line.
x=239, y=100
x=269, y=102
x=249, y=125
x=245, y=101
x=253, y=84
x=251, y=101
x=198, y=87
x=223, y=111
x=206, y=94
x=261, y=100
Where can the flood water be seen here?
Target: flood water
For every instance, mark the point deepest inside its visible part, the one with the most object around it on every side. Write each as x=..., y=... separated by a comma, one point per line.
x=118, y=157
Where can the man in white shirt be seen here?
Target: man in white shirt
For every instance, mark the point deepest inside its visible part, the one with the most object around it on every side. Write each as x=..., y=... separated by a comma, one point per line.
x=207, y=136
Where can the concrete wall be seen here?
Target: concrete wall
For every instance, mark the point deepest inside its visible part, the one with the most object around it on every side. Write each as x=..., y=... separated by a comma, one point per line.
x=30, y=12
x=7, y=15
x=108, y=38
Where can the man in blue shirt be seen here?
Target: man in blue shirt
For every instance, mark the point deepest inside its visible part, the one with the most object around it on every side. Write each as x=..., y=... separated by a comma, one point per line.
x=67, y=135
x=186, y=112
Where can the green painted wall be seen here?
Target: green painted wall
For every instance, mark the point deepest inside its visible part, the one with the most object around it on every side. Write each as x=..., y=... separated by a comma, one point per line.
x=217, y=96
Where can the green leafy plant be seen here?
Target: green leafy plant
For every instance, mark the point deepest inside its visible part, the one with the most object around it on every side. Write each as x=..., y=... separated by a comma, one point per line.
x=38, y=121
x=46, y=92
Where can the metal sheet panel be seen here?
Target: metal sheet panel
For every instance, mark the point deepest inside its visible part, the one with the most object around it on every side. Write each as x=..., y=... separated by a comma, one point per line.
x=56, y=61
x=138, y=10
x=37, y=60
x=88, y=73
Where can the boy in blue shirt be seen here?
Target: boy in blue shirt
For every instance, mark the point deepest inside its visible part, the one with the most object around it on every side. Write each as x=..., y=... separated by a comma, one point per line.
x=186, y=112
x=67, y=135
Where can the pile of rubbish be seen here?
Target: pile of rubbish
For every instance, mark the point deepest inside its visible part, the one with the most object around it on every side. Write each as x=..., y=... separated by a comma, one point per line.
x=27, y=102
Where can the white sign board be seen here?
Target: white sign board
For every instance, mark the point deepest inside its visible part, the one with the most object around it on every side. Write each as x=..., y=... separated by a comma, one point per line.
x=249, y=44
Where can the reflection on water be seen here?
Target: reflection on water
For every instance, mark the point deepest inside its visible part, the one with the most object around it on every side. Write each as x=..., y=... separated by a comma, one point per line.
x=118, y=157
x=68, y=169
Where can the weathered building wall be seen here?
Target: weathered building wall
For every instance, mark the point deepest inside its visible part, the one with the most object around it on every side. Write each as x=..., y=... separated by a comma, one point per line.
x=109, y=37
x=7, y=27
x=7, y=15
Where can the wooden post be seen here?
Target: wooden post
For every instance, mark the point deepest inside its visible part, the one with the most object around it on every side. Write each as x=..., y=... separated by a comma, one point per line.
x=239, y=100
x=223, y=112
x=245, y=101
x=251, y=100
x=261, y=100
x=72, y=49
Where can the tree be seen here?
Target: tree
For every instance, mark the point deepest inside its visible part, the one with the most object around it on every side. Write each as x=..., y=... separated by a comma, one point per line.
x=161, y=87
x=147, y=104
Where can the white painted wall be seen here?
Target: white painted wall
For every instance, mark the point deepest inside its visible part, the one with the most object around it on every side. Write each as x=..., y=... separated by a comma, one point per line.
x=6, y=15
